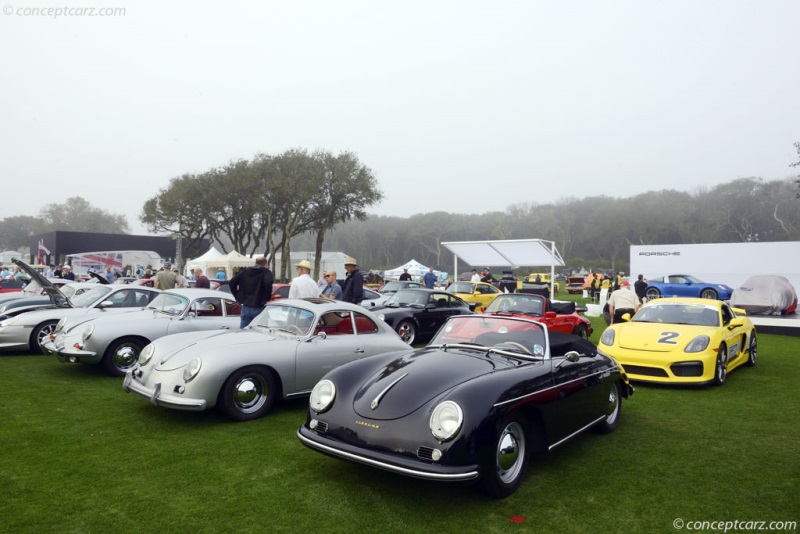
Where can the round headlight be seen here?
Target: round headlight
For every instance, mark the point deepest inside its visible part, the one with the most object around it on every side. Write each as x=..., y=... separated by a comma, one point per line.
x=382, y=317
x=446, y=420
x=322, y=396
x=608, y=337
x=698, y=344
x=61, y=323
x=192, y=369
x=87, y=332
x=146, y=354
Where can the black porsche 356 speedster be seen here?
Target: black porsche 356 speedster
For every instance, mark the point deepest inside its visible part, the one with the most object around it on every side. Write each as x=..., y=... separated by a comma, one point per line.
x=472, y=405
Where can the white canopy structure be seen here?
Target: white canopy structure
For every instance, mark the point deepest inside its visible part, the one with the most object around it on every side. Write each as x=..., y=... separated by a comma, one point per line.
x=509, y=253
x=229, y=262
x=201, y=262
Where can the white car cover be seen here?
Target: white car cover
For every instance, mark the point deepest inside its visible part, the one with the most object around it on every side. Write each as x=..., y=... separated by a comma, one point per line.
x=765, y=295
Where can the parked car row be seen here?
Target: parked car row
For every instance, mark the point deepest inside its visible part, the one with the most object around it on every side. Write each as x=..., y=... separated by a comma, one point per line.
x=487, y=391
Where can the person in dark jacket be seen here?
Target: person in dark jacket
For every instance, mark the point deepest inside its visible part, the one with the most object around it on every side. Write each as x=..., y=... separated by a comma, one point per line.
x=201, y=280
x=252, y=288
x=353, y=290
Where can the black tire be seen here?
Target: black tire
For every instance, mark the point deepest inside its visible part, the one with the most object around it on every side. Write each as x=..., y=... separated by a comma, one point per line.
x=248, y=394
x=652, y=293
x=709, y=294
x=752, y=350
x=721, y=367
x=504, y=468
x=122, y=355
x=611, y=421
x=407, y=331
x=41, y=335
x=581, y=331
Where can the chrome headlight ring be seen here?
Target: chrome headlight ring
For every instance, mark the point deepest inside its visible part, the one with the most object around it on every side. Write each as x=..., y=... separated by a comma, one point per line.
x=146, y=355
x=446, y=421
x=322, y=396
x=191, y=370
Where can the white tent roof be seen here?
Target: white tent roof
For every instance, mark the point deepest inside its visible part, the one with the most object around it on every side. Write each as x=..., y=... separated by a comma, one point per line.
x=211, y=254
x=414, y=267
x=511, y=253
x=201, y=262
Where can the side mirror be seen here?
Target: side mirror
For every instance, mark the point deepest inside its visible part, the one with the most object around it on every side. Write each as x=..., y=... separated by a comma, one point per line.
x=320, y=335
x=571, y=357
x=550, y=315
x=736, y=322
x=106, y=304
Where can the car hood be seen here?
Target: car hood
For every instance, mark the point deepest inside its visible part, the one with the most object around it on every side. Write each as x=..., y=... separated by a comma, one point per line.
x=56, y=296
x=646, y=336
x=407, y=383
x=175, y=351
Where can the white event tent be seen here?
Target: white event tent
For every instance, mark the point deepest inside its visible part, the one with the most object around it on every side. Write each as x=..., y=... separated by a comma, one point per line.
x=414, y=267
x=201, y=262
x=229, y=262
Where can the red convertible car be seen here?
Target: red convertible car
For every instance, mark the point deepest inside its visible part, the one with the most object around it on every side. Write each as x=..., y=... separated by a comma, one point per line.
x=559, y=316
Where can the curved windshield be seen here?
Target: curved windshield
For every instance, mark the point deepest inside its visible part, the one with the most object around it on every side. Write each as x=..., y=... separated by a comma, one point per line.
x=391, y=287
x=521, y=303
x=87, y=298
x=506, y=334
x=461, y=287
x=69, y=290
x=169, y=303
x=285, y=318
x=407, y=297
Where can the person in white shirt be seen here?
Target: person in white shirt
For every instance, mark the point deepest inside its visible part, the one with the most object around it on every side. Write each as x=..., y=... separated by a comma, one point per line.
x=475, y=276
x=622, y=301
x=303, y=286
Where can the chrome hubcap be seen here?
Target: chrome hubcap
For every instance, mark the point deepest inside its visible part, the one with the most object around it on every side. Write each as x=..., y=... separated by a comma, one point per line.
x=613, y=405
x=125, y=356
x=250, y=393
x=510, y=452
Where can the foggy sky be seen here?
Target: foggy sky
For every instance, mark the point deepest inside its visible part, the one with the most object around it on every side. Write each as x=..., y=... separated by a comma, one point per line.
x=452, y=104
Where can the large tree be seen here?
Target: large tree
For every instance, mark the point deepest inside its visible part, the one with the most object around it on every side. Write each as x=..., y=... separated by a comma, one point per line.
x=76, y=215
x=345, y=192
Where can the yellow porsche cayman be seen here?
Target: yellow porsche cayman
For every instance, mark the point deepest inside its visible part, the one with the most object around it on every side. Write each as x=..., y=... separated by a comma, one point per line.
x=682, y=341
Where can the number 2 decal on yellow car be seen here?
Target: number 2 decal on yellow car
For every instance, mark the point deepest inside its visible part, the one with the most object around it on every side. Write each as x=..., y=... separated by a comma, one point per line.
x=668, y=338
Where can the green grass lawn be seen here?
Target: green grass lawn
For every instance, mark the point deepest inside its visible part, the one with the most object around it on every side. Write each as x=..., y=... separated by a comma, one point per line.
x=80, y=455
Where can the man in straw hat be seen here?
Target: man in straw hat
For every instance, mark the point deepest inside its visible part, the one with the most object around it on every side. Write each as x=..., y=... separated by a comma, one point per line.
x=303, y=286
x=353, y=290
x=252, y=288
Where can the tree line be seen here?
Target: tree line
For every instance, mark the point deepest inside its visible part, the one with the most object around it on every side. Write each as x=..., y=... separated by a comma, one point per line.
x=307, y=201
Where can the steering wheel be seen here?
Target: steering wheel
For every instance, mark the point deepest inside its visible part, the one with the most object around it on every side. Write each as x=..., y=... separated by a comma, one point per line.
x=512, y=346
x=294, y=329
x=505, y=305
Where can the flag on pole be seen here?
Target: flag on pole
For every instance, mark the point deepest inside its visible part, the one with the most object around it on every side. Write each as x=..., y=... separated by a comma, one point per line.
x=42, y=249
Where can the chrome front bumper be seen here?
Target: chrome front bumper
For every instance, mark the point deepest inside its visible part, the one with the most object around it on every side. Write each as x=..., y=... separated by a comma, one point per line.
x=159, y=398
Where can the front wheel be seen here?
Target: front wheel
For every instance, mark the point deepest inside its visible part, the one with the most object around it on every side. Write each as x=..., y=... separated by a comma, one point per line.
x=581, y=331
x=708, y=294
x=248, y=394
x=752, y=350
x=41, y=335
x=721, y=367
x=122, y=355
x=407, y=331
x=611, y=422
x=652, y=293
x=505, y=469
